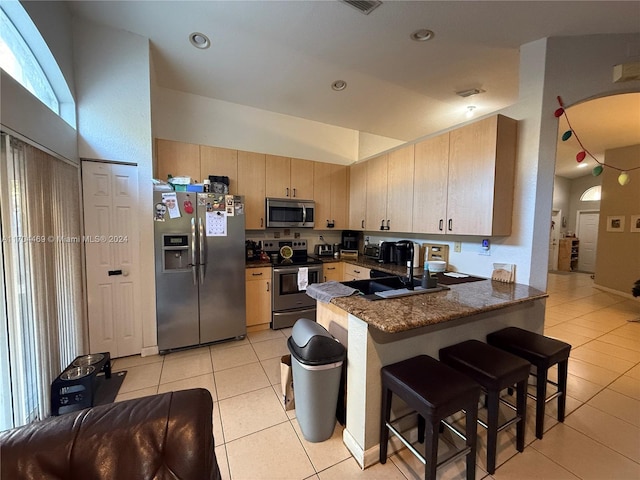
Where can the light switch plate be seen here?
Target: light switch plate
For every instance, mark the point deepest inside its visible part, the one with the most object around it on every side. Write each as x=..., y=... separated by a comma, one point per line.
x=457, y=247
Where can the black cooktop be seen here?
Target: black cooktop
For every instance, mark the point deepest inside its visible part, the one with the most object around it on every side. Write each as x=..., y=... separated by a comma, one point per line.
x=298, y=252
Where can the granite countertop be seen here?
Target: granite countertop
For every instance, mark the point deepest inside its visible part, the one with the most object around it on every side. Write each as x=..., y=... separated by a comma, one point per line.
x=257, y=263
x=461, y=300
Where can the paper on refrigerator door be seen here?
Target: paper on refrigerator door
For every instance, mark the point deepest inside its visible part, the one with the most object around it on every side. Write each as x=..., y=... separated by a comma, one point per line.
x=216, y=224
x=303, y=278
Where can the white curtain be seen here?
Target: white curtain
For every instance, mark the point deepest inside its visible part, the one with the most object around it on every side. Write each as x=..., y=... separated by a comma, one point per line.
x=42, y=272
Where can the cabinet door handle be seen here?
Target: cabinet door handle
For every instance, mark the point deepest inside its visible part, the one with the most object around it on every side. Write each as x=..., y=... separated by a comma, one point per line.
x=382, y=224
x=115, y=272
x=261, y=222
x=357, y=271
x=267, y=286
x=256, y=274
x=362, y=224
x=294, y=193
x=441, y=224
x=388, y=224
x=450, y=224
x=287, y=192
x=331, y=268
x=325, y=278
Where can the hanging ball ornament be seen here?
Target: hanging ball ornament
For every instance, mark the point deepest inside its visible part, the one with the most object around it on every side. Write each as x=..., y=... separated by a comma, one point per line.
x=566, y=135
x=597, y=170
x=580, y=156
x=558, y=112
x=624, y=178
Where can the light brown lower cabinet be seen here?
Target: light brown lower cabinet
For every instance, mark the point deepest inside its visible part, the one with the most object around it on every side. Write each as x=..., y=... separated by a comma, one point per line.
x=258, y=301
x=355, y=272
x=333, y=272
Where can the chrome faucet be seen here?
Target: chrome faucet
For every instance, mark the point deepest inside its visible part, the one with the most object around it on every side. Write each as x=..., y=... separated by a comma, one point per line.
x=408, y=245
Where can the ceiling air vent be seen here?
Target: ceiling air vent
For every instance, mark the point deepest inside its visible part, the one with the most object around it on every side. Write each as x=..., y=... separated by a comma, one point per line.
x=364, y=6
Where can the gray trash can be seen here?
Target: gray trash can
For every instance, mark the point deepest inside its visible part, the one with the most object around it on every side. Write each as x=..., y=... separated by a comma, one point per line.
x=316, y=359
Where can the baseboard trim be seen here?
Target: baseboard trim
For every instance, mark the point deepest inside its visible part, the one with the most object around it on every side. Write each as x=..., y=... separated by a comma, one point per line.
x=149, y=351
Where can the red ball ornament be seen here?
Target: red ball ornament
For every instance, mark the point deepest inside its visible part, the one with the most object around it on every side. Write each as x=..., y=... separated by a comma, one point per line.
x=558, y=112
x=580, y=156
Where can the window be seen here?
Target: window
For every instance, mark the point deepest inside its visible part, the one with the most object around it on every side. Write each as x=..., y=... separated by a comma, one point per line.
x=25, y=56
x=591, y=194
x=19, y=61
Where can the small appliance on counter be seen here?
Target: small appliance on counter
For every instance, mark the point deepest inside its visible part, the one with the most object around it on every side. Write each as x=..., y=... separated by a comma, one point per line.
x=372, y=252
x=324, y=250
x=349, y=240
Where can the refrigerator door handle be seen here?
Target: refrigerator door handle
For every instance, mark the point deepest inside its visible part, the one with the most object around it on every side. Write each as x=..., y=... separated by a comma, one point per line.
x=203, y=260
x=193, y=251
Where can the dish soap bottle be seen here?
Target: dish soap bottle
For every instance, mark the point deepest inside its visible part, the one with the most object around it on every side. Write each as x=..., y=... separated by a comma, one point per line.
x=425, y=276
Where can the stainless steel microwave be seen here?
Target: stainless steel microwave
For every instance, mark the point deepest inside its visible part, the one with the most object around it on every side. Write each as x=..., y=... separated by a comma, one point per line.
x=287, y=213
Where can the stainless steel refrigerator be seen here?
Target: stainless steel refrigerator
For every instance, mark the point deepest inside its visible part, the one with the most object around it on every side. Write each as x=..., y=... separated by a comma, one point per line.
x=200, y=265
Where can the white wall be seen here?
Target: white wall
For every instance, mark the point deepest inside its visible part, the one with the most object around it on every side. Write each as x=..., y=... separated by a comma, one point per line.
x=207, y=121
x=113, y=88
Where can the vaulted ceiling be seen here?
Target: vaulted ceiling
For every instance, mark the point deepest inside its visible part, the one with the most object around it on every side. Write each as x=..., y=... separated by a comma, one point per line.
x=283, y=56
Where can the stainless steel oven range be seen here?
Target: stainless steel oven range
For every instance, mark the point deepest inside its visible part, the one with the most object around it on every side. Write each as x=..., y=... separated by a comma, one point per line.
x=292, y=269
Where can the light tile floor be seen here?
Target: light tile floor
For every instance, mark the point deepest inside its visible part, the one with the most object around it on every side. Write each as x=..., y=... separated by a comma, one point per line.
x=256, y=439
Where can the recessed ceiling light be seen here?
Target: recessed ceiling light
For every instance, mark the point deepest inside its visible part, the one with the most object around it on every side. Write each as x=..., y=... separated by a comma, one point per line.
x=199, y=40
x=422, y=35
x=471, y=109
x=339, y=85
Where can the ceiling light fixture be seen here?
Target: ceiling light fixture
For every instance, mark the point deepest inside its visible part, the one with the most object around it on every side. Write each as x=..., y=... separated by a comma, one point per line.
x=339, y=85
x=470, y=92
x=199, y=40
x=422, y=35
x=470, y=110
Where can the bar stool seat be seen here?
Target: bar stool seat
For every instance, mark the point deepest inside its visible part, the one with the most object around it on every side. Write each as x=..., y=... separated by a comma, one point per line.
x=435, y=391
x=495, y=370
x=543, y=353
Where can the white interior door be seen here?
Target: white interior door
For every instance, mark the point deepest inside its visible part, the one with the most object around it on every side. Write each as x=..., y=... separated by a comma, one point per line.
x=554, y=239
x=587, y=233
x=110, y=193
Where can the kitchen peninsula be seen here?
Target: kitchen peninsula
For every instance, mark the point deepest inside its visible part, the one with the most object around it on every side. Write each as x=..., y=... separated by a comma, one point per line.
x=378, y=333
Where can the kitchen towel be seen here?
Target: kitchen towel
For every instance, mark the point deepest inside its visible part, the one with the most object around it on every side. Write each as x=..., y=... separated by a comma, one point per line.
x=324, y=292
x=303, y=278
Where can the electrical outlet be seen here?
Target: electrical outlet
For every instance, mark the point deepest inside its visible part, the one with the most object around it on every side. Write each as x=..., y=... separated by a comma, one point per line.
x=457, y=247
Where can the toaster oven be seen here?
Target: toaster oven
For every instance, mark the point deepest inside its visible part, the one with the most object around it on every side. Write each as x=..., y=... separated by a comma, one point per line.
x=372, y=252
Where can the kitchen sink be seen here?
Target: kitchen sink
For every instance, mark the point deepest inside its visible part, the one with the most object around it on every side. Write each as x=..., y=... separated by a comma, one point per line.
x=389, y=287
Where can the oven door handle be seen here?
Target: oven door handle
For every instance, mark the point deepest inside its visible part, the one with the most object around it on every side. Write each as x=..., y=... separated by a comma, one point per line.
x=315, y=268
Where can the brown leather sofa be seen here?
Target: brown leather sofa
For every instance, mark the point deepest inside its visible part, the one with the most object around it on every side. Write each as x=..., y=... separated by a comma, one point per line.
x=167, y=436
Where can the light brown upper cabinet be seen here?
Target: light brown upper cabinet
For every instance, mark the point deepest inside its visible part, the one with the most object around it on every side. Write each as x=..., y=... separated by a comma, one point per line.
x=177, y=159
x=330, y=193
x=400, y=165
x=357, y=195
x=289, y=177
x=430, y=184
x=376, y=213
x=251, y=184
x=221, y=162
x=390, y=191
x=481, y=177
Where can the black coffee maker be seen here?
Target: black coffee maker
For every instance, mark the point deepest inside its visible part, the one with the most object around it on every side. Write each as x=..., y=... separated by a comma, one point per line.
x=349, y=240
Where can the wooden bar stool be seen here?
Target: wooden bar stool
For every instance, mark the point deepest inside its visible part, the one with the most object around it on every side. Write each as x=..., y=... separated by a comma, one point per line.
x=495, y=370
x=435, y=391
x=543, y=353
